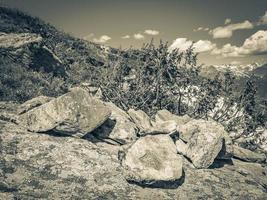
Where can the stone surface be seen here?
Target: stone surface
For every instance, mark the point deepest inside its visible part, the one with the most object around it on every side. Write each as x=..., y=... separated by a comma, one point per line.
x=33, y=103
x=205, y=145
x=118, y=127
x=74, y=113
x=41, y=166
x=181, y=147
x=247, y=155
x=165, y=127
x=165, y=115
x=152, y=160
x=141, y=119
x=186, y=131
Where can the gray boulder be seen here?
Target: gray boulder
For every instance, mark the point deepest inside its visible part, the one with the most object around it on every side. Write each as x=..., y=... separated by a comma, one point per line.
x=33, y=103
x=152, y=160
x=118, y=126
x=148, y=127
x=165, y=115
x=141, y=119
x=247, y=155
x=204, y=146
x=75, y=113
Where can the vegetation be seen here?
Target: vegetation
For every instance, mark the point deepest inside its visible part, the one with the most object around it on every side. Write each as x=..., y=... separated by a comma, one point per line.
x=150, y=79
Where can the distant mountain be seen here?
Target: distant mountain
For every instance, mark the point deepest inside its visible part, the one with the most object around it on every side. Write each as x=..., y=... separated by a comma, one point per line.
x=210, y=71
x=261, y=80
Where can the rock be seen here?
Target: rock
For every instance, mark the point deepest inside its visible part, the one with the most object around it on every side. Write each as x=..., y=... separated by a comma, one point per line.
x=152, y=160
x=33, y=103
x=141, y=119
x=74, y=113
x=165, y=115
x=186, y=131
x=41, y=166
x=166, y=127
x=94, y=91
x=181, y=147
x=118, y=127
x=247, y=155
x=204, y=146
x=149, y=127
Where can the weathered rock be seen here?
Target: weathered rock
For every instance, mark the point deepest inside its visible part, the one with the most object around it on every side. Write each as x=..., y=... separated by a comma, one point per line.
x=186, y=131
x=181, y=147
x=165, y=115
x=166, y=127
x=33, y=103
x=41, y=166
x=204, y=146
x=247, y=155
x=118, y=127
x=152, y=160
x=75, y=113
x=141, y=119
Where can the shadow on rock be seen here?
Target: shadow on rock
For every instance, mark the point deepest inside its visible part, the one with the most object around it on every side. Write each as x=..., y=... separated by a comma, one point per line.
x=160, y=184
x=219, y=163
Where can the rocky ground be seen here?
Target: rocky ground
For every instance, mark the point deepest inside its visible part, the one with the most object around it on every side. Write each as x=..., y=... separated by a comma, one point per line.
x=45, y=154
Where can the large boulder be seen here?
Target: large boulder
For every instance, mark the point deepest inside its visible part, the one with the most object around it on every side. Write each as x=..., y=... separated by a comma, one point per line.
x=152, y=160
x=165, y=115
x=204, y=146
x=247, y=155
x=74, y=113
x=186, y=131
x=33, y=103
x=141, y=119
x=148, y=127
x=118, y=127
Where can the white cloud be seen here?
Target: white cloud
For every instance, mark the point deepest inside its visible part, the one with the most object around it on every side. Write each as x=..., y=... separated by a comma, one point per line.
x=151, y=32
x=139, y=36
x=201, y=29
x=254, y=45
x=203, y=46
x=235, y=62
x=126, y=37
x=200, y=46
x=227, y=21
x=263, y=19
x=227, y=31
x=102, y=39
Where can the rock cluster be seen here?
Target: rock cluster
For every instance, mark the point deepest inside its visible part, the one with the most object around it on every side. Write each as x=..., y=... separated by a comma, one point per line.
x=143, y=150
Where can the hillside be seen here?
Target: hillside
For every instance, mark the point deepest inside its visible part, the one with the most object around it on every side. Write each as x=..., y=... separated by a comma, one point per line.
x=31, y=46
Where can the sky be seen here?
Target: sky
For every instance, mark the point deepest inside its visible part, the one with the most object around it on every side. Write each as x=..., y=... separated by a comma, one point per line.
x=223, y=31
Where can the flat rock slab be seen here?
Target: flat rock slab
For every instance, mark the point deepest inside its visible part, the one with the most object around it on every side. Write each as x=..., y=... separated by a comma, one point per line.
x=41, y=166
x=152, y=160
x=74, y=113
x=248, y=155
